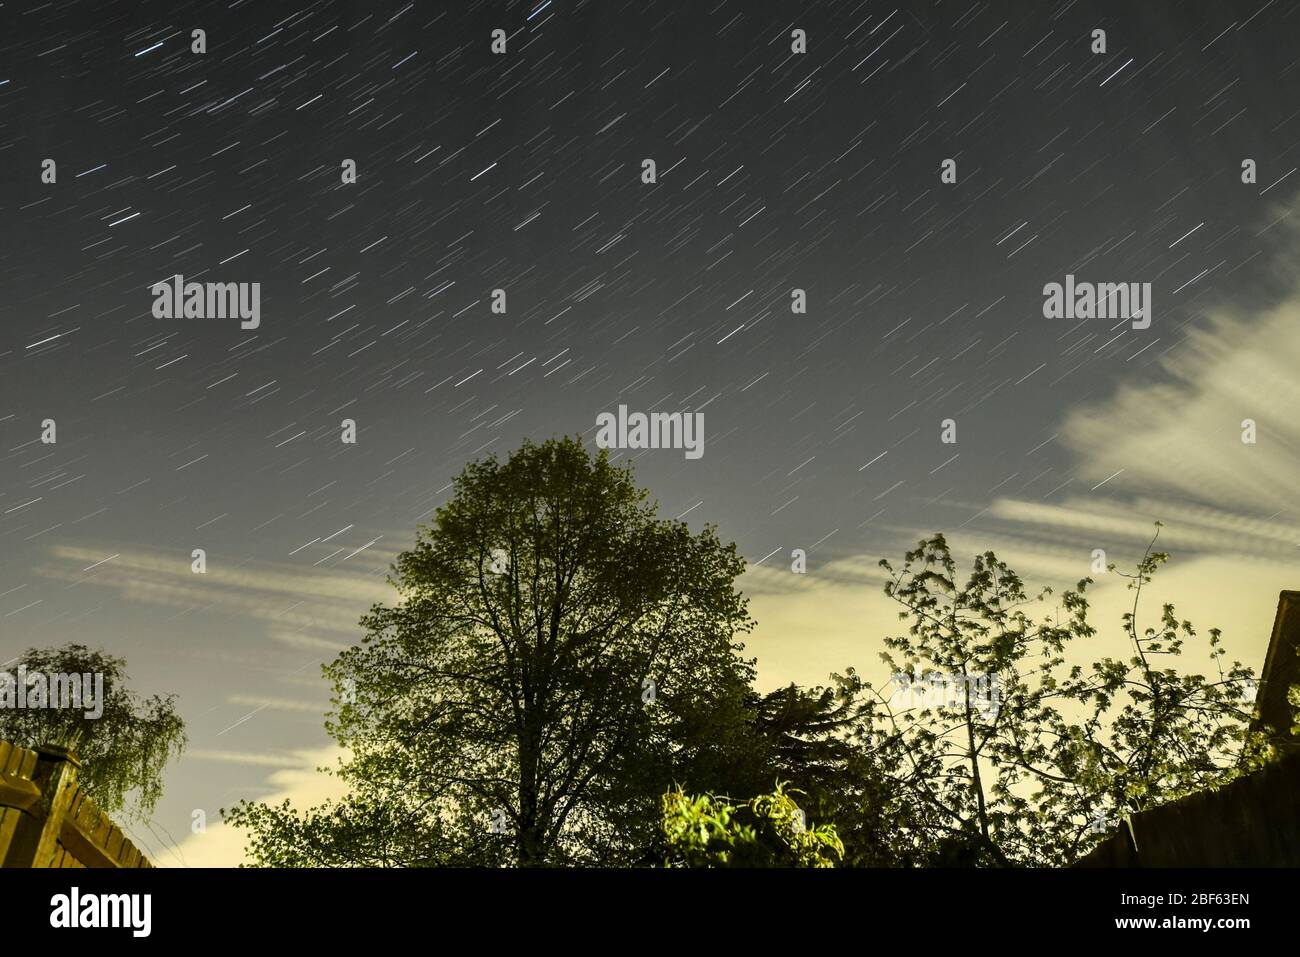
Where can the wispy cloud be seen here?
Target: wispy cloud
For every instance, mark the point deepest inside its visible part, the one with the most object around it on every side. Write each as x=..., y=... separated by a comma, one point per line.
x=289, y=598
x=245, y=757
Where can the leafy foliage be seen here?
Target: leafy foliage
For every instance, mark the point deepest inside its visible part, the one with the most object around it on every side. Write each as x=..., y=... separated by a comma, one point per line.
x=769, y=830
x=123, y=751
x=497, y=714
x=1028, y=782
x=809, y=738
x=363, y=830
x=507, y=684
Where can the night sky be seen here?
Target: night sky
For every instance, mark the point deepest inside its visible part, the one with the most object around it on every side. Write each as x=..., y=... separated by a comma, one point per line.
x=522, y=171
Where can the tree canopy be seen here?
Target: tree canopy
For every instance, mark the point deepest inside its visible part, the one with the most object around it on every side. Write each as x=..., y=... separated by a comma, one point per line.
x=559, y=656
x=1066, y=750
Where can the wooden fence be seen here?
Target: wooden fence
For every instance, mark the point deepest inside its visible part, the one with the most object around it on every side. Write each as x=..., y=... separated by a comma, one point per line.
x=1253, y=821
x=47, y=820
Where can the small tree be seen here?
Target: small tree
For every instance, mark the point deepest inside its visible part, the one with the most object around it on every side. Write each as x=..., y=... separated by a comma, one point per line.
x=1022, y=758
x=123, y=750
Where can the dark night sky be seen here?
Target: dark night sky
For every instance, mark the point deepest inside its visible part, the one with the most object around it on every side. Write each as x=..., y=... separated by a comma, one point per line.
x=522, y=171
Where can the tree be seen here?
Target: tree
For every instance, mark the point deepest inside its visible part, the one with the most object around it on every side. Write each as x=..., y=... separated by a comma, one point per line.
x=769, y=830
x=809, y=738
x=123, y=749
x=365, y=829
x=559, y=656
x=1020, y=758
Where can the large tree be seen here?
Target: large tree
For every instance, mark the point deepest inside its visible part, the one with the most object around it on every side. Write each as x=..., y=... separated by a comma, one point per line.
x=559, y=657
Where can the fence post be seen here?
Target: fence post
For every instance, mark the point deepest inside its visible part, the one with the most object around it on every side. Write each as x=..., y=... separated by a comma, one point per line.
x=36, y=837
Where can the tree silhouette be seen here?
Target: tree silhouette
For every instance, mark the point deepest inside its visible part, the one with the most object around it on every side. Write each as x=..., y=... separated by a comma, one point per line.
x=809, y=737
x=561, y=683
x=1022, y=754
x=559, y=657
